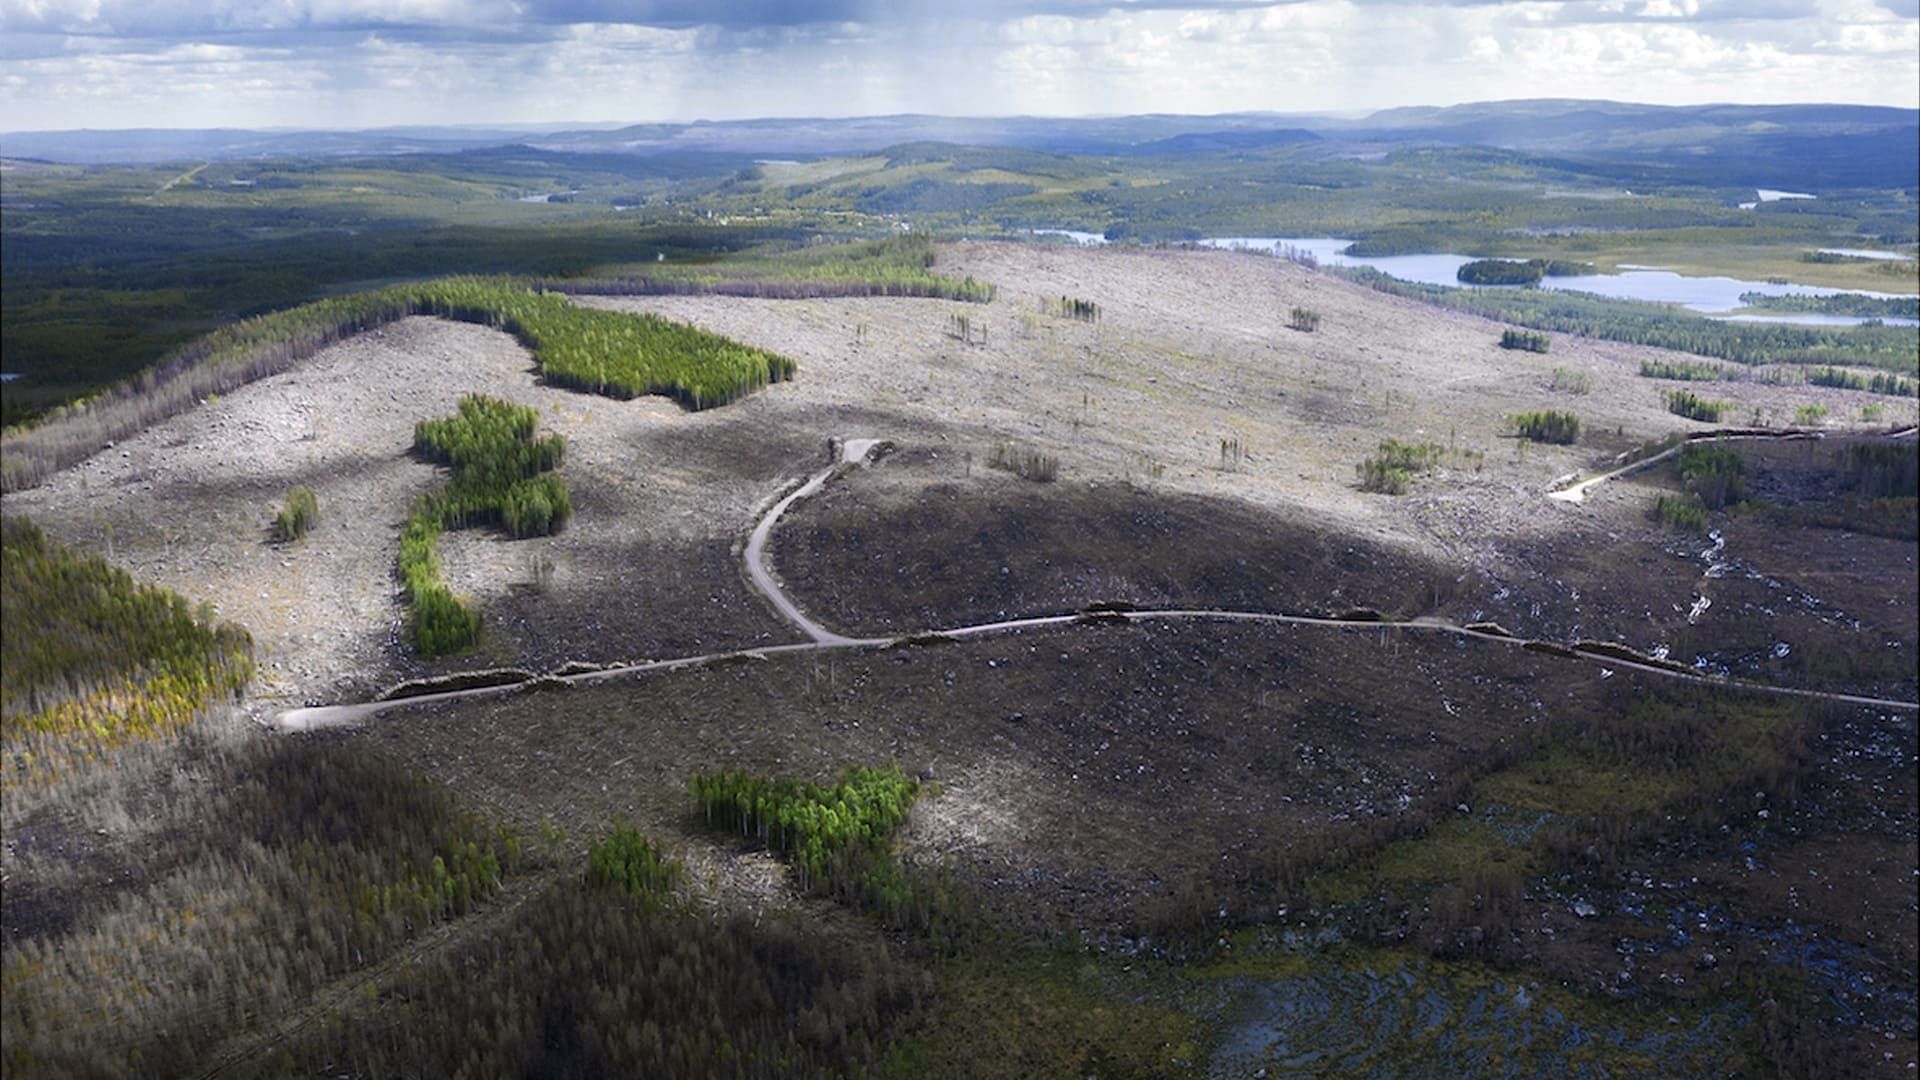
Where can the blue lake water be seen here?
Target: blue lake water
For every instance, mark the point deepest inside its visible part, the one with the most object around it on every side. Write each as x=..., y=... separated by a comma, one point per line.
x=1084, y=239
x=1706, y=295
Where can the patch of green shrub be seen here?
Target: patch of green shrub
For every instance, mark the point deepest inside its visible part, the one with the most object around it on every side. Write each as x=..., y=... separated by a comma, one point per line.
x=1025, y=462
x=1306, y=320
x=1391, y=468
x=1569, y=381
x=1525, y=339
x=1074, y=308
x=299, y=513
x=1810, y=416
x=1547, y=427
x=628, y=862
x=1683, y=370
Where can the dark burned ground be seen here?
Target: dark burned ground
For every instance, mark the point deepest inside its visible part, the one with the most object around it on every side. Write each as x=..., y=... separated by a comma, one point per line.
x=922, y=542
x=1082, y=769
x=1812, y=904
x=1108, y=781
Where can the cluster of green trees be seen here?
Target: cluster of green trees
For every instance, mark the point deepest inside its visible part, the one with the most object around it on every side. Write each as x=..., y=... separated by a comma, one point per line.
x=1305, y=320
x=1716, y=474
x=1684, y=371
x=1855, y=305
x=1690, y=405
x=1888, y=348
x=1881, y=470
x=500, y=475
x=1390, y=469
x=1501, y=272
x=629, y=862
x=1546, y=426
x=823, y=830
x=604, y=352
x=1518, y=272
x=288, y=864
x=91, y=658
x=1880, y=382
x=1525, y=339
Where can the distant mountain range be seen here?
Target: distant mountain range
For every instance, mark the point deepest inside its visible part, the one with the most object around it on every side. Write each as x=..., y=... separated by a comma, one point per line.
x=1810, y=145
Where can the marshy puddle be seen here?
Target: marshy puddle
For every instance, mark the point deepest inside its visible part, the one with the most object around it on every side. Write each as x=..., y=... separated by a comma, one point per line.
x=1387, y=1015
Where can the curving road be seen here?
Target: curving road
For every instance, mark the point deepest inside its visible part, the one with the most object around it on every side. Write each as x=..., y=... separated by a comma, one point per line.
x=855, y=453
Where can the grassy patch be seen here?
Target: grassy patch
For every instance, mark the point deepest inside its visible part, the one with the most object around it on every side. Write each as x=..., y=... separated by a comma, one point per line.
x=1693, y=407
x=1024, y=462
x=296, y=516
x=1027, y=1012
x=1391, y=469
x=1594, y=784
x=1681, y=512
x=1547, y=427
x=1810, y=416
x=1569, y=381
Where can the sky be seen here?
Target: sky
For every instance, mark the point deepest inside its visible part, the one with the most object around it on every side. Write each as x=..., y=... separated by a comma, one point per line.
x=348, y=64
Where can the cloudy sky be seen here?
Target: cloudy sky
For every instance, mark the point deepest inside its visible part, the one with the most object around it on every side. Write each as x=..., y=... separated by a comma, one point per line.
x=371, y=63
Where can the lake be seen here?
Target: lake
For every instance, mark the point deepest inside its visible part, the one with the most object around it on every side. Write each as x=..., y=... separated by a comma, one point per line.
x=1084, y=239
x=1705, y=295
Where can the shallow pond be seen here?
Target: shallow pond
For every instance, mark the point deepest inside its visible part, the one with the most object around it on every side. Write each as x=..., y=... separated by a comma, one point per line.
x=1390, y=1016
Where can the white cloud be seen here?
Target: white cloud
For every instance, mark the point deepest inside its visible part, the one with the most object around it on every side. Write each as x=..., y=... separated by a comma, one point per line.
x=362, y=62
